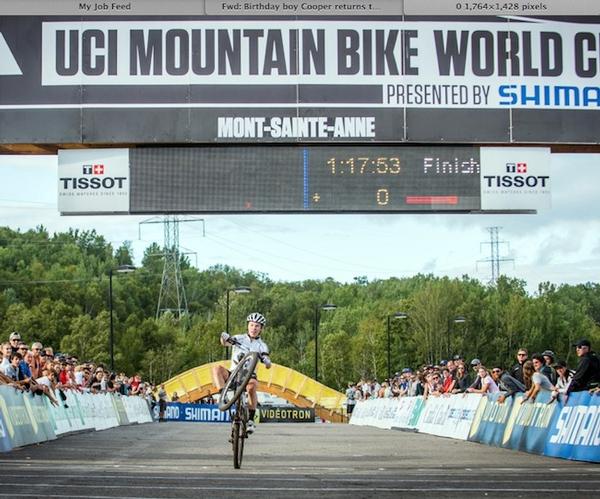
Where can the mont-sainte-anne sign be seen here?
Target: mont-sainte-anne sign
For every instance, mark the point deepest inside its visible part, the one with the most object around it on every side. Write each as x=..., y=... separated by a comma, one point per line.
x=116, y=79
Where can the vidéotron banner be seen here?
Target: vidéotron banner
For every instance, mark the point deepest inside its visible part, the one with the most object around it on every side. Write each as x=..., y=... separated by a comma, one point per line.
x=216, y=79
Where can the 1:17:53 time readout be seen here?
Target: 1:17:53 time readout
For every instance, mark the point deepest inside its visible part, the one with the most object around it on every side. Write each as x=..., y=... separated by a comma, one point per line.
x=364, y=166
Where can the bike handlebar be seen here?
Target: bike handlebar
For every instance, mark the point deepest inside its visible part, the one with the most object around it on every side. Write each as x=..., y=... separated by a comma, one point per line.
x=233, y=341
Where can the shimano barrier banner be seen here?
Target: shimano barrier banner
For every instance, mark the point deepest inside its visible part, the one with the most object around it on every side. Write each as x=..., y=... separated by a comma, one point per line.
x=570, y=431
x=490, y=420
x=195, y=413
x=286, y=414
x=574, y=432
x=200, y=79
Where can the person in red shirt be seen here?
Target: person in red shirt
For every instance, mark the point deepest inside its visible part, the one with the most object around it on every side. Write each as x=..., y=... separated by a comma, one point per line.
x=63, y=375
x=448, y=381
x=135, y=385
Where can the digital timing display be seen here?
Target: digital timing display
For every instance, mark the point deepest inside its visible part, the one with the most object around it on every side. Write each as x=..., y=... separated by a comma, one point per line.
x=326, y=179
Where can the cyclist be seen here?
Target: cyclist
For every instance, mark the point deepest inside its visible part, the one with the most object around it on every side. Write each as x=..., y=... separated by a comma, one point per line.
x=241, y=344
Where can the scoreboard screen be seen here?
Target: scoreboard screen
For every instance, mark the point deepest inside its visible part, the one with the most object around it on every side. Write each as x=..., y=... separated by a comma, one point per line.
x=320, y=179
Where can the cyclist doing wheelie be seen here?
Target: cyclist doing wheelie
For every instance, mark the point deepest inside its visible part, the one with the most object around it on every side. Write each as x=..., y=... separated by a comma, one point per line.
x=241, y=344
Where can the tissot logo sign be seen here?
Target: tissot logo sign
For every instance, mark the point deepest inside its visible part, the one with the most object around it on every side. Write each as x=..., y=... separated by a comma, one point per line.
x=515, y=177
x=93, y=180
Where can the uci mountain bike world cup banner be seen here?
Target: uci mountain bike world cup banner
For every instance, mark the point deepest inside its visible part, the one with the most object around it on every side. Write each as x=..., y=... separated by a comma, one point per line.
x=101, y=79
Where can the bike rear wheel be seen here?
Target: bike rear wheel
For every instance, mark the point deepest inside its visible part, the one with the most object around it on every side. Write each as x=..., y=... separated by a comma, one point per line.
x=238, y=380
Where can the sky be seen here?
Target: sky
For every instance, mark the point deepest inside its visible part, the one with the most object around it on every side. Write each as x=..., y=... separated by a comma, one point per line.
x=560, y=245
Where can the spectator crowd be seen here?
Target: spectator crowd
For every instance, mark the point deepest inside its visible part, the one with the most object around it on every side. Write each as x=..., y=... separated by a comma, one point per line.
x=38, y=370
x=529, y=375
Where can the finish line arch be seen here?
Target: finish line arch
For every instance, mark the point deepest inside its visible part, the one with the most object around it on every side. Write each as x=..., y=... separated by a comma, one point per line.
x=281, y=381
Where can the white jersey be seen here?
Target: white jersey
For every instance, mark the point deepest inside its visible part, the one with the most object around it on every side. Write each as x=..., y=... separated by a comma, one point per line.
x=246, y=344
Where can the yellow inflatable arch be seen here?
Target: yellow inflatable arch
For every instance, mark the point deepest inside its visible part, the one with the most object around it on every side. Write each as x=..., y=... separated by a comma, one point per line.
x=296, y=388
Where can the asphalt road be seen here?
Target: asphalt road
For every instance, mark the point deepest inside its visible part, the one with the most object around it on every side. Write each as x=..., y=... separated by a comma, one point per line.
x=177, y=460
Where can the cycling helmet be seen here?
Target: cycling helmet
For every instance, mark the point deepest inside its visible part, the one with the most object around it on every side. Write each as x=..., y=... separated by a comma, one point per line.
x=256, y=317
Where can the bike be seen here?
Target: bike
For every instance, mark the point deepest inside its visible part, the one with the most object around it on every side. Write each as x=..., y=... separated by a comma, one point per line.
x=233, y=398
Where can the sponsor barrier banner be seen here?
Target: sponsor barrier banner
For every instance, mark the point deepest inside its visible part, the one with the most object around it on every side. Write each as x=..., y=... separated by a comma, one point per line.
x=194, y=413
x=284, y=414
x=408, y=411
x=63, y=416
x=137, y=410
x=6, y=429
x=490, y=420
x=570, y=431
x=365, y=413
x=358, y=416
x=25, y=417
x=528, y=423
x=384, y=413
x=120, y=410
x=41, y=423
x=449, y=416
x=574, y=432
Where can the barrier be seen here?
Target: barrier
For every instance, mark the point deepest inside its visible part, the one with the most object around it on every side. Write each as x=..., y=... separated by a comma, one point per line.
x=527, y=426
x=574, y=432
x=490, y=420
x=194, y=413
x=27, y=419
x=24, y=424
x=408, y=412
x=449, y=416
x=543, y=426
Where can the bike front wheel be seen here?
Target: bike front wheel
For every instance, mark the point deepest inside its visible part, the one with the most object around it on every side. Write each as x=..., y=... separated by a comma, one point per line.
x=238, y=437
x=237, y=381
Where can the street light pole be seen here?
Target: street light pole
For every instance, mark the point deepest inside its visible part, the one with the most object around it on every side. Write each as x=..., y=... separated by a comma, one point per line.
x=459, y=319
x=327, y=306
x=238, y=290
x=112, y=326
x=121, y=269
x=397, y=315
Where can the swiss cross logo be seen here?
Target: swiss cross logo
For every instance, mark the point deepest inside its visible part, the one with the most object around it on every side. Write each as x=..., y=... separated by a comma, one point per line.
x=87, y=169
x=516, y=167
x=98, y=170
